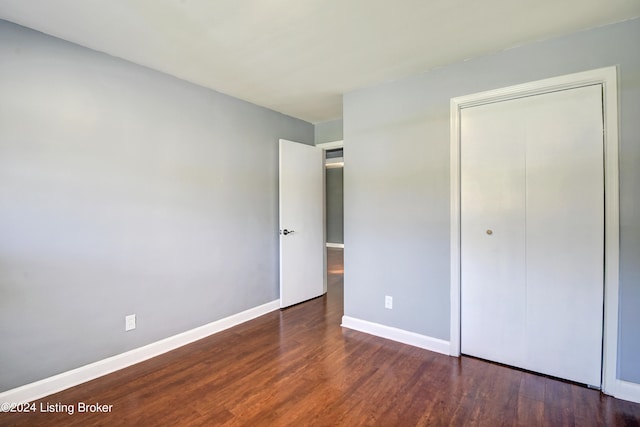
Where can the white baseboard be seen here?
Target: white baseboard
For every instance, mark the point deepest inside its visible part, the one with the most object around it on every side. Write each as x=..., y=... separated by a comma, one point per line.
x=395, y=334
x=626, y=390
x=56, y=383
x=335, y=245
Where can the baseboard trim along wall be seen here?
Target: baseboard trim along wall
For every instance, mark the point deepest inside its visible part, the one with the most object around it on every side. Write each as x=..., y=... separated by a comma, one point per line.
x=335, y=245
x=627, y=391
x=65, y=380
x=395, y=334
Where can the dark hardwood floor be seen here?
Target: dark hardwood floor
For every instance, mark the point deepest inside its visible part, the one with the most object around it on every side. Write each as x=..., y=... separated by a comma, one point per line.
x=298, y=367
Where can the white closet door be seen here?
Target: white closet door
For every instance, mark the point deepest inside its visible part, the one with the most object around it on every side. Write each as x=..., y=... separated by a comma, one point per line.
x=558, y=208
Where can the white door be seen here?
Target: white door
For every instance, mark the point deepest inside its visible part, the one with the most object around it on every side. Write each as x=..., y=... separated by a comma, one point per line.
x=302, y=249
x=532, y=233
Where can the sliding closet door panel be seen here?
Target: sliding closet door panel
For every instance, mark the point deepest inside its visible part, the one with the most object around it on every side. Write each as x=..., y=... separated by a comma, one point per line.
x=565, y=234
x=492, y=224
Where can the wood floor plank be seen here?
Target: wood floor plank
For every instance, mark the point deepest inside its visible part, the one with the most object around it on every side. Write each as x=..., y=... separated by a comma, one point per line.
x=298, y=367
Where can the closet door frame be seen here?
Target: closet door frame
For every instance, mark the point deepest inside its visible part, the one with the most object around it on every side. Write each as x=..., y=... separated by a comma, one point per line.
x=607, y=78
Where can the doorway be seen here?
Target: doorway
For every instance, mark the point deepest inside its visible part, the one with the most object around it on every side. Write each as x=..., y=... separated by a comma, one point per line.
x=334, y=213
x=515, y=315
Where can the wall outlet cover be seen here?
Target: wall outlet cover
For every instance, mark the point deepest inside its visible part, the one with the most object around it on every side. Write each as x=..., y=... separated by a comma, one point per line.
x=130, y=322
x=388, y=302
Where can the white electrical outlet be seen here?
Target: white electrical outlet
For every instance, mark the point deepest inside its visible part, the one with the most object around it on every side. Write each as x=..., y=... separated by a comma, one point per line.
x=129, y=322
x=388, y=302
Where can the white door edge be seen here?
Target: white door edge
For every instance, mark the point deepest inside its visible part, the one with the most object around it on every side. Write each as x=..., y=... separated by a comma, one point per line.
x=607, y=78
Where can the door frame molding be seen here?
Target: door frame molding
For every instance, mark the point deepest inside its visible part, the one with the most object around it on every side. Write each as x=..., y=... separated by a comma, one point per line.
x=607, y=78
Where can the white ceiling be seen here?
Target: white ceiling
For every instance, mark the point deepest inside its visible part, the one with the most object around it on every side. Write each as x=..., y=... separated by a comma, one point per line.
x=299, y=56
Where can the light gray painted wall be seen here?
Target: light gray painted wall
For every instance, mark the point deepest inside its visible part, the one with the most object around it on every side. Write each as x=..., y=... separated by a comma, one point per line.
x=124, y=190
x=328, y=131
x=397, y=182
x=334, y=200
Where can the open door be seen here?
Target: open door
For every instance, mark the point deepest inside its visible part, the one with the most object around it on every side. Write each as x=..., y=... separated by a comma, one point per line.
x=302, y=252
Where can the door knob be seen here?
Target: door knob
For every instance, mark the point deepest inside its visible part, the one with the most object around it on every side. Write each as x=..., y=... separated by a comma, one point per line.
x=285, y=231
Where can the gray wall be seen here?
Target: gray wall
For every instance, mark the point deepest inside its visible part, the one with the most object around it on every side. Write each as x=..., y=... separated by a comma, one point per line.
x=124, y=190
x=397, y=182
x=328, y=131
x=334, y=201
